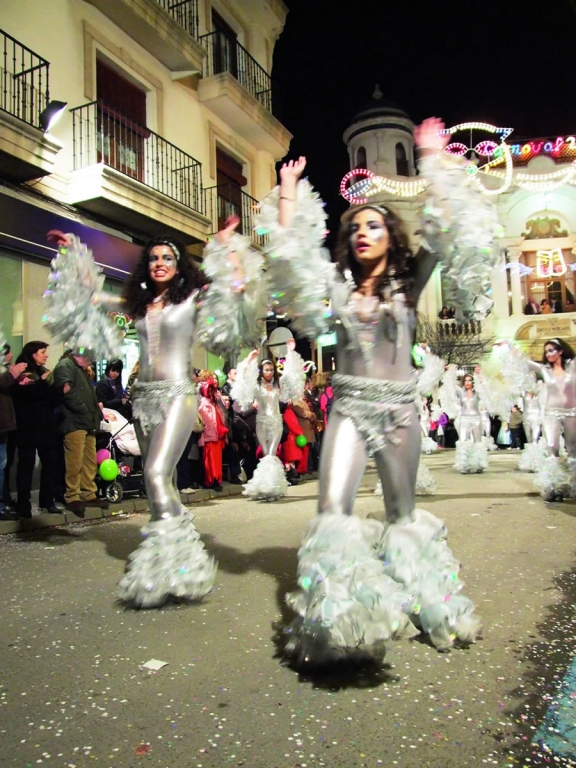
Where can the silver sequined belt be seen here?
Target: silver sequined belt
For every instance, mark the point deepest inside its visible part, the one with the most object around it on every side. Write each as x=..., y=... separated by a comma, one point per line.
x=151, y=399
x=560, y=413
x=374, y=405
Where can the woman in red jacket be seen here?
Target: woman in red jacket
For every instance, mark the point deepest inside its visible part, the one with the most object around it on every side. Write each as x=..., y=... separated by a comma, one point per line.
x=213, y=437
x=290, y=453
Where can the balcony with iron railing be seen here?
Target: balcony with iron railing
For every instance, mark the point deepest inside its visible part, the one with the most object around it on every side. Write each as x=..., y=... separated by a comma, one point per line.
x=227, y=55
x=237, y=89
x=126, y=158
x=227, y=200
x=26, y=152
x=167, y=29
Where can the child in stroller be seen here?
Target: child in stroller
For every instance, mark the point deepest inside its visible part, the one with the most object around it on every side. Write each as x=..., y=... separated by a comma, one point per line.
x=118, y=436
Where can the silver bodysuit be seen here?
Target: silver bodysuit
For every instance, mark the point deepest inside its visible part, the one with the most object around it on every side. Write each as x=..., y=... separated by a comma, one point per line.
x=268, y=418
x=377, y=350
x=469, y=420
x=532, y=418
x=560, y=409
x=165, y=399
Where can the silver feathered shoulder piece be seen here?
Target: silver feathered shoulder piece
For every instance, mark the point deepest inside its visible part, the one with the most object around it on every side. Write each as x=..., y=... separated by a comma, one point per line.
x=72, y=313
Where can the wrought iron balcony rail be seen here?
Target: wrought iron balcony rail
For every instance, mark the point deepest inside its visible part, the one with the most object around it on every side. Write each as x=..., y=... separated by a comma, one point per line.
x=24, y=81
x=227, y=55
x=184, y=13
x=226, y=200
x=102, y=134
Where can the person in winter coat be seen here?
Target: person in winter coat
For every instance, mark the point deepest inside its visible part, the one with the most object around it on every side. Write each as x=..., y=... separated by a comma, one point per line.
x=9, y=376
x=214, y=434
x=110, y=392
x=36, y=430
x=80, y=420
x=290, y=453
x=307, y=422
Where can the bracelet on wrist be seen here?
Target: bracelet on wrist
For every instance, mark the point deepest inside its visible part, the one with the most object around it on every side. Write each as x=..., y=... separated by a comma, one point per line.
x=283, y=197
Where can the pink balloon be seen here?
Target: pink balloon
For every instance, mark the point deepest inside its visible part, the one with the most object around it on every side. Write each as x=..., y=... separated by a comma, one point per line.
x=102, y=455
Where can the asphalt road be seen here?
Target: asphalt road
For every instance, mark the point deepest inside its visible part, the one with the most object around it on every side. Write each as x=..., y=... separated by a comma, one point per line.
x=75, y=693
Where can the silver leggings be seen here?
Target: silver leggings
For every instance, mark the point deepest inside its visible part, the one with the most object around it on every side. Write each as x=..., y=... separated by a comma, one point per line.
x=470, y=428
x=161, y=449
x=554, y=427
x=269, y=434
x=343, y=461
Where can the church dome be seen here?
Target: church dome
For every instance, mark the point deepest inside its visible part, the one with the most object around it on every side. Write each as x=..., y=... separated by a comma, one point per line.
x=378, y=106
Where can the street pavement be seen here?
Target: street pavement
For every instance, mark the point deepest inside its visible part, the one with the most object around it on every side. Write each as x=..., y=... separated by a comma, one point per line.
x=75, y=691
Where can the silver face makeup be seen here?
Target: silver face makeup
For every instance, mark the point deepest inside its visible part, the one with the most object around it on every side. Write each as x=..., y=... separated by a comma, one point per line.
x=168, y=258
x=376, y=230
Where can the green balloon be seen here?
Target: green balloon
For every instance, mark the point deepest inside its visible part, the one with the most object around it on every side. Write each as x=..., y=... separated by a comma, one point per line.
x=301, y=441
x=108, y=470
x=221, y=379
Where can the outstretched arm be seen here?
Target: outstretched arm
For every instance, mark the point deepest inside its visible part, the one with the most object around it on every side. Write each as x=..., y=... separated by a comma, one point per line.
x=290, y=173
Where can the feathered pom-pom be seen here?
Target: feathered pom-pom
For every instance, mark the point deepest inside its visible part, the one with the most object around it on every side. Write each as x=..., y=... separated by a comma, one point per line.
x=293, y=376
x=470, y=457
x=245, y=387
x=448, y=392
x=430, y=374
x=72, y=313
x=228, y=312
x=170, y=562
x=299, y=272
x=461, y=224
x=347, y=606
x=268, y=481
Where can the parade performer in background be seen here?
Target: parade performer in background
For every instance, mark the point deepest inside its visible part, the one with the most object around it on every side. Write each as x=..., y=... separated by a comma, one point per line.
x=173, y=308
x=535, y=449
x=363, y=581
x=263, y=385
x=428, y=444
x=555, y=478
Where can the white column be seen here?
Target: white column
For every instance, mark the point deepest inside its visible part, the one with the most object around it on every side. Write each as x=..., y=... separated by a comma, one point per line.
x=500, y=290
x=514, y=254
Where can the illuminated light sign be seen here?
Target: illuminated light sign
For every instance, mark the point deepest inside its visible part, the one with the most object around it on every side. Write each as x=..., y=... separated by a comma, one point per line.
x=531, y=148
x=550, y=263
x=344, y=191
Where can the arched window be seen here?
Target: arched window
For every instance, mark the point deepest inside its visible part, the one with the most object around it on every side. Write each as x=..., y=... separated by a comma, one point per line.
x=402, y=168
x=361, y=158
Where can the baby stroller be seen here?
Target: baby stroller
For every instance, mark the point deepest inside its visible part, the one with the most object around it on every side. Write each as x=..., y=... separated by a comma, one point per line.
x=130, y=479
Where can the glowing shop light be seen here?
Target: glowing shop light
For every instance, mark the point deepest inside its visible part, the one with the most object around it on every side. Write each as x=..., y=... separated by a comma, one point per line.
x=550, y=263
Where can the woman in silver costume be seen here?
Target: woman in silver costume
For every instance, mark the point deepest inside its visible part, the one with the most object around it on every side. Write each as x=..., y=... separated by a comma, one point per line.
x=173, y=308
x=557, y=371
x=362, y=581
x=532, y=411
x=471, y=451
x=264, y=386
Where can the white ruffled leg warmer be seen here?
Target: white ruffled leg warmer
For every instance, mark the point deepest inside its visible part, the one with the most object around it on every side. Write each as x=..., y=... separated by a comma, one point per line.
x=269, y=480
x=170, y=562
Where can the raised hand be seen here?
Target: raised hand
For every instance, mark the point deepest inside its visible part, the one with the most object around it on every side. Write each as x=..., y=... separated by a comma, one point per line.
x=291, y=171
x=291, y=345
x=253, y=355
x=428, y=138
x=229, y=228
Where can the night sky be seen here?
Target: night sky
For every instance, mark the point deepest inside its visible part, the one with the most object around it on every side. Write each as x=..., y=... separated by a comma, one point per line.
x=501, y=63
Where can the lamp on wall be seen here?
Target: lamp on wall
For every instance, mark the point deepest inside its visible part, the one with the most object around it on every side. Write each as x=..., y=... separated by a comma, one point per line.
x=51, y=114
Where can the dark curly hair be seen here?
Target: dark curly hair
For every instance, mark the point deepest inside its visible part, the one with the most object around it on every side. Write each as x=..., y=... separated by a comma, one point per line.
x=561, y=345
x=401, y=263
x=139, y=289
x=275, y=379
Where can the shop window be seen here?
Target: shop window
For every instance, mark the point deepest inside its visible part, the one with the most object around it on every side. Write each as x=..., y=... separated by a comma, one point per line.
x=11, y=307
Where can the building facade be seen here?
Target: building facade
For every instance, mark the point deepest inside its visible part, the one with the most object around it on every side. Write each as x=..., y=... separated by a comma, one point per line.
x=169, y=127
x=539, y=225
